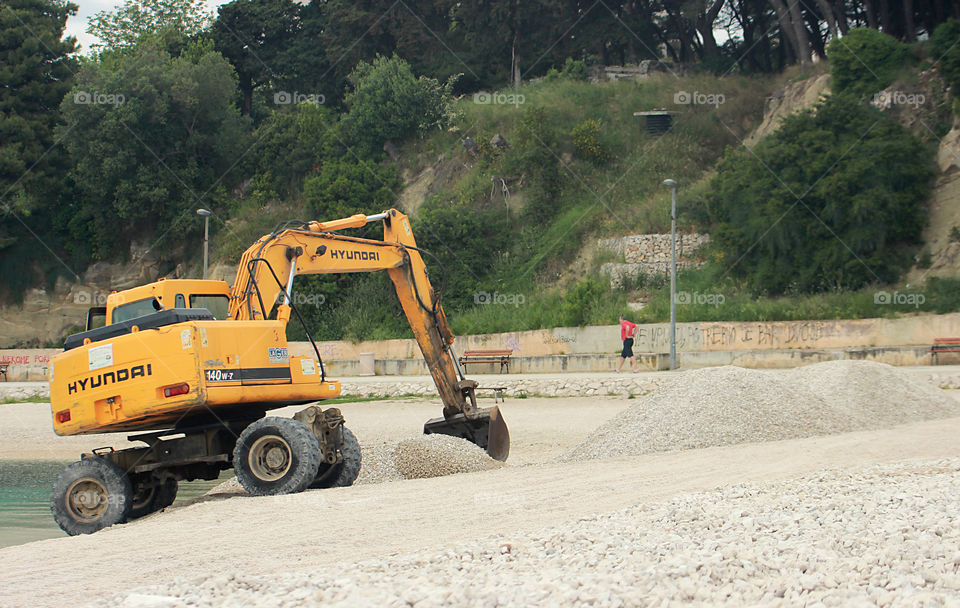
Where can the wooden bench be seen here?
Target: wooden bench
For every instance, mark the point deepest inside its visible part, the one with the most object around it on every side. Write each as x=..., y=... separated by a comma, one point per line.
x=488, y=356
x=498, y=392
x=3, y=370
x=943, y=345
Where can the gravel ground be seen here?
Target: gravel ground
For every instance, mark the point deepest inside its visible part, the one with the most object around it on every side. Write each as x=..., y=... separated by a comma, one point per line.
x=880, y=536
x=731, y=405
x=415, y=458
x=421, y=458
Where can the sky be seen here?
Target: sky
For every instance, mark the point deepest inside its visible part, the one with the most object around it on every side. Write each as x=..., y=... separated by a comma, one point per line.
x=77, y=25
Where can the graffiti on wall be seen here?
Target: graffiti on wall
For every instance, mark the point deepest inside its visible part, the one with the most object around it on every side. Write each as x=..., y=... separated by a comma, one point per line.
x=718, y=336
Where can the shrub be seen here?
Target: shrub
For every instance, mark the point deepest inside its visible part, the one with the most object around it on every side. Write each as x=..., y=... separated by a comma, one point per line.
x=865, y=61
x=387, y=102
x=579, y=301
x=346, y=187
x=829, y=201
x=574, y=69
x=587, y=141
x=945, y=51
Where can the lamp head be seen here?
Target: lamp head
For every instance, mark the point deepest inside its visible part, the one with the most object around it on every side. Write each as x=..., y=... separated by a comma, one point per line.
x=203, y=212
x=670, y=182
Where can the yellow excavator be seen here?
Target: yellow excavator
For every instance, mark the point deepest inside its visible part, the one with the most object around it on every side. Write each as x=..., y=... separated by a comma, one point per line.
x=197, y=364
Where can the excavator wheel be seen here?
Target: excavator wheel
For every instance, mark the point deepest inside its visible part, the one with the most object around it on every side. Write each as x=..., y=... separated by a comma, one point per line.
x=90, y=495
x=150, y=499
x=276, y=456
x=344, y=473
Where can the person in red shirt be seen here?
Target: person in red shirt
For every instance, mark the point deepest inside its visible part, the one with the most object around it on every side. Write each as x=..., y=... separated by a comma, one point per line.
x=627, y=331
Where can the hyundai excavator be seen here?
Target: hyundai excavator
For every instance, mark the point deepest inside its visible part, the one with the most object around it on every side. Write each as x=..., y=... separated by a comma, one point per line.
x=194, y=366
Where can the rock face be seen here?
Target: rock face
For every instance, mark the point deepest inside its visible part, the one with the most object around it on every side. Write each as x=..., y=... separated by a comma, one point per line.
x=943, y=213
x=792, y=97
x=45, y=317
x=648, y=254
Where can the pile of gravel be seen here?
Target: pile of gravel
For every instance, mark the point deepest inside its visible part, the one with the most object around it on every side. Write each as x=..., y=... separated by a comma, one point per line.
x=731, y=405
x=422, y=457
x=883, y=536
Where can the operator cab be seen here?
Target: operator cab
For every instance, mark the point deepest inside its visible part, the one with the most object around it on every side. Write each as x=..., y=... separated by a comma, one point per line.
x=161, y=295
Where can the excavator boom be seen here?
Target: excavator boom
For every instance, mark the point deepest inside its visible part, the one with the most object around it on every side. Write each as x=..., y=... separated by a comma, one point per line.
x=265, y=280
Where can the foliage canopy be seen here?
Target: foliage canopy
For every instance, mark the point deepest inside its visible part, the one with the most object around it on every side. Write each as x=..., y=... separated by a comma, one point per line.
x=832, y=200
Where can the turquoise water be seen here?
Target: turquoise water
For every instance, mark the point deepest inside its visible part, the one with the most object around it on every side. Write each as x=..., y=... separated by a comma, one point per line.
x=25, y=499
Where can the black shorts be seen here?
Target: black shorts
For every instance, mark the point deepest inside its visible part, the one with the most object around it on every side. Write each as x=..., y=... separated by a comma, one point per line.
x=627, y=348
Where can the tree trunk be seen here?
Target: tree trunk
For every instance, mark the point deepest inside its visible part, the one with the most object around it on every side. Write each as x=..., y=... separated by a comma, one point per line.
x=246, y=89
x=910, y=34
x=787, y=32
x=871, y=15
x=885, y=22
x=803, y=38
x=704, y=26
x=829, y=17
x=515, y=62
x=842, y=18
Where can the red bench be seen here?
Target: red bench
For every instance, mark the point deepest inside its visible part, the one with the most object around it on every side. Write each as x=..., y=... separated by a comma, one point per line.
x=488, y=356
x=943, y=345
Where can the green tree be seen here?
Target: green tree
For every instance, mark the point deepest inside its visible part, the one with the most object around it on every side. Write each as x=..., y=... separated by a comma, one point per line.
x=387, y=102
x=829, y=201
x=290, y=144
x=346, y=187
x=466, y=239
x=945, y=51
x=36, y=68
x=134, y=19
x=508, y=39
x=261, y=39
x=865, y=61
x=150, y=137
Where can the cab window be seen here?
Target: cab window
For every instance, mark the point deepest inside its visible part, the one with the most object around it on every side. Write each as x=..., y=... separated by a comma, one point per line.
x=132, y=310
x=218, y=305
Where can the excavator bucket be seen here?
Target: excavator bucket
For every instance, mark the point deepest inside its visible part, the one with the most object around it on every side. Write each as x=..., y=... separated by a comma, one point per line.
x=485, y=428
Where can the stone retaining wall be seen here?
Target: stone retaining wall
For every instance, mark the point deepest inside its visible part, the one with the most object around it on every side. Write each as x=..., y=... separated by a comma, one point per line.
x=648, y=254
x=573, y=386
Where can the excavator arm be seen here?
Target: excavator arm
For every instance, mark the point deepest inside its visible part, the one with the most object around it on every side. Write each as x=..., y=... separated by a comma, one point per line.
x=265, y=280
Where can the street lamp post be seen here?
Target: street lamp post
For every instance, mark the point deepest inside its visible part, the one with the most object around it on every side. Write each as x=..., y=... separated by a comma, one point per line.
x=206, y=237
x=673, y=272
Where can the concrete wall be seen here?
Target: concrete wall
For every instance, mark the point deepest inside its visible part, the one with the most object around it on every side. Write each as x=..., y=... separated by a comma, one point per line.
x=691, y=337
x=755, y=344
x=903, y=341
x=27, y=364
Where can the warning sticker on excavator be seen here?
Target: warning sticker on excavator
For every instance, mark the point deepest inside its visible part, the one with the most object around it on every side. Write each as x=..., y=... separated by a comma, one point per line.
x=100, y=356
x=308, y=367
x=186, y=339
